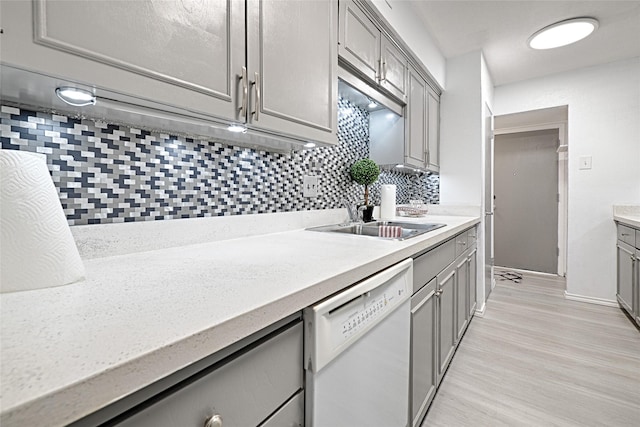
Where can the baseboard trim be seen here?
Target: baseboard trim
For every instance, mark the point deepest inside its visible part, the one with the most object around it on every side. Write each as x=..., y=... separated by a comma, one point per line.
x=590, y=300
x=480, y=311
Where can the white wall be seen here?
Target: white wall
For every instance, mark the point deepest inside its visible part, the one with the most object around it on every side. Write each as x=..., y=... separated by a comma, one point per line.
x=462, y=140
x=461, y=129
x=407, y=24
x=604, y=122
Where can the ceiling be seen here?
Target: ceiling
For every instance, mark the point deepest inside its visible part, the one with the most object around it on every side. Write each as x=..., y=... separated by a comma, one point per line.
x=501, y=29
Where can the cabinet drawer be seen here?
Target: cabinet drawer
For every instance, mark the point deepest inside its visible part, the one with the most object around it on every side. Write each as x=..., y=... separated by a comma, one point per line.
x=244, y=391
x=290, y=415
x=429, y=264
x=472, y=236
x=627, y=234
x=638, y=239
x=462, y=242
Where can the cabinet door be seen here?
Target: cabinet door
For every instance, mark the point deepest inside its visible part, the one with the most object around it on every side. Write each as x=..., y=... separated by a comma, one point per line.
x=636, y=282
x=473, y=282
x=359, y=40
x=462, y=289
x=423, y=350
x=415, y=153
x=433, y=130
x=293, y=66
x=625, y=276
x=393, y=72
x=183, y=54
x=446, y=319
x=244, y=391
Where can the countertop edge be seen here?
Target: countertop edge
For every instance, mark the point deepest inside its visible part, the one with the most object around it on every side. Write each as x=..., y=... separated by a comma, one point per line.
x=630, y=220
x=103, y=389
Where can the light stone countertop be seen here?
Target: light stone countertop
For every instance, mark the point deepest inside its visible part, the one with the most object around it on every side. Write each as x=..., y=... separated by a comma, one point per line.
x=628, y=215
x=69, y=351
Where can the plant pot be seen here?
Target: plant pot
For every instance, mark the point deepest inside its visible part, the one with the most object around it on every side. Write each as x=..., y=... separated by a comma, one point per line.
x=367, y=214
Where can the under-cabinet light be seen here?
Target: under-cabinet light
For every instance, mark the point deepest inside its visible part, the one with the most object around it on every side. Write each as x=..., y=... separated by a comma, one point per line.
x=75, y=96
x=236, y=128
x=563, y=33
x=372, y=104
x=309, y=145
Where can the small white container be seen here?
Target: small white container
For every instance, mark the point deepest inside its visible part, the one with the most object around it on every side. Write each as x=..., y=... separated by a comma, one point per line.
x=387, y=202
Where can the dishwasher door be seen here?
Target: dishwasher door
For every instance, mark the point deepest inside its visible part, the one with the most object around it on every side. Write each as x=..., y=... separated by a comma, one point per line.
x=357, y=349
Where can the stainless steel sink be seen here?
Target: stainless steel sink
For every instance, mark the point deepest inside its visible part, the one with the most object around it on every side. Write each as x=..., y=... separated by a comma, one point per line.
x=409, y=229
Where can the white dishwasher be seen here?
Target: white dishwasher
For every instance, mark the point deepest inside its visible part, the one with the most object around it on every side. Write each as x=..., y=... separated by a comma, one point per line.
x=357, y=353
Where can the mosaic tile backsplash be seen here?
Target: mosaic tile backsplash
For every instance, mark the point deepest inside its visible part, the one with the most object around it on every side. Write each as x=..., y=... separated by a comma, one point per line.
x=108, y=173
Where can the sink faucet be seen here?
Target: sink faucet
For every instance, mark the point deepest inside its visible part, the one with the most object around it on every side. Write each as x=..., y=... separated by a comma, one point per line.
x=354, y=214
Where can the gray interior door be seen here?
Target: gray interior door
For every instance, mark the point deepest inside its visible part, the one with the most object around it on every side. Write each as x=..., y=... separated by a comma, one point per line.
x=526, y=200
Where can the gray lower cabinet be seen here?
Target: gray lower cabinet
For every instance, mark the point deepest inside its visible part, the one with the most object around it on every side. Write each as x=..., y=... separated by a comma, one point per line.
x=472, y=300
x=260, y=386
x=447, y=337
x=443, y=303
x=462, y=293
x=628, y=271
x=424, y=379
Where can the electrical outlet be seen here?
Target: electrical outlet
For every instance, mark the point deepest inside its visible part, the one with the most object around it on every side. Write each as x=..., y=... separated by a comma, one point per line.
x=310, y=186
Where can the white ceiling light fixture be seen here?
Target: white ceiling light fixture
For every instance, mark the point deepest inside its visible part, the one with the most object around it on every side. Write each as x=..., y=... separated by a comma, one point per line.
x=562, y=33
x=75, y=96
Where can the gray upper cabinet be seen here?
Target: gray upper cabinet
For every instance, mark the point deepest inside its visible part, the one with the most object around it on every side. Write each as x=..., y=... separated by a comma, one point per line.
x=359, y=40
x=269, y=64
x=292, y=67
x=393, y=69
x=363, y=45
x=183, y=54
x=423, y=124
x=416, y=130
x=433, y=130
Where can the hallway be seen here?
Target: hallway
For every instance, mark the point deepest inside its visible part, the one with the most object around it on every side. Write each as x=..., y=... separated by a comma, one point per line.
x=537, y=359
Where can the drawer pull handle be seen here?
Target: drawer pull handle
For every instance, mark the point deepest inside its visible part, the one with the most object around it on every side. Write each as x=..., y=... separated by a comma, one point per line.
x=214, y=420
x=624, y=234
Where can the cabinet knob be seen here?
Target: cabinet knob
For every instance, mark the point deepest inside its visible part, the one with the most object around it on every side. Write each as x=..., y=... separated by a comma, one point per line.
x=438, y=292
x=214, y=420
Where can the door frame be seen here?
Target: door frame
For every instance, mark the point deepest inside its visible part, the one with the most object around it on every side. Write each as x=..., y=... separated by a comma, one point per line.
x=563, y=183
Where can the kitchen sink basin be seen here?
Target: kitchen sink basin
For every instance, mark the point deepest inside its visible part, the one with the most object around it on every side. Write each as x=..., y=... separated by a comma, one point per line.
x=372, y=229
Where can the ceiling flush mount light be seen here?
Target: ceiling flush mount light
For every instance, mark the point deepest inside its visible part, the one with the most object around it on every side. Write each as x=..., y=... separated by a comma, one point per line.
x=75, y=96
x=563, y=33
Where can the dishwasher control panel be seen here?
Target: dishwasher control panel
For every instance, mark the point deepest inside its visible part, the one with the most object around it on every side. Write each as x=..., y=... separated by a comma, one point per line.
x=334, y=324
x=365, y=310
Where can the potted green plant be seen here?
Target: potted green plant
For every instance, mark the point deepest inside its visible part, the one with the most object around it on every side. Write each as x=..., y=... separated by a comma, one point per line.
x=365, y=172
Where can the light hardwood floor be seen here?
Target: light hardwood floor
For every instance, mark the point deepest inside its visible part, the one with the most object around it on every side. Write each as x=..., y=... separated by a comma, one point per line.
x=537, y=359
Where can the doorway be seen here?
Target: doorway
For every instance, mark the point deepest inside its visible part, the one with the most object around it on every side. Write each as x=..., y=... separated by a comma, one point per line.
x=526, y=200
